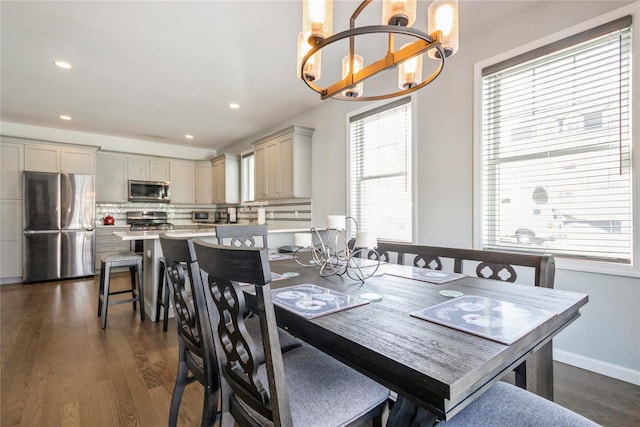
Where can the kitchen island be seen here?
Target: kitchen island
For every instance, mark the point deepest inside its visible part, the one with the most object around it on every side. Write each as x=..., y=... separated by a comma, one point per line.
x=152, y=252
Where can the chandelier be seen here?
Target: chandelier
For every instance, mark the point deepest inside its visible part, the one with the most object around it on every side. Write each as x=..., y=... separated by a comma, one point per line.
x=397, y=18
x=333, y=255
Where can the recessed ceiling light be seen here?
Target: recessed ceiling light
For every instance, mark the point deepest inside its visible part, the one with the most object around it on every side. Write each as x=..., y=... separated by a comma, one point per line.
x=234, y=106
x=63, y=64
x=65, y=117
x=188, y=136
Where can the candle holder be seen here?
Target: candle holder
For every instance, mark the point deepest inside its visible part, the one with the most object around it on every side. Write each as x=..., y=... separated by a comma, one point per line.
x=334, y=255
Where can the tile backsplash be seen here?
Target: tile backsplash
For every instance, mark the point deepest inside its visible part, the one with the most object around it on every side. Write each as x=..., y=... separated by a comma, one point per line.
x=290, y=213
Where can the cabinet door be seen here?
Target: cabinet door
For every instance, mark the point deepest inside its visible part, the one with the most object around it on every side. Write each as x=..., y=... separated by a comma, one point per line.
x=203, y=182
x=11, y=239
x=158, y=170
x=77, y=161
x=42, y=158
x=272, y=175
x=111, y=178
x=138, y=168
x=217, y=178
x=260, y=172
x=12, y=158
x=182, y=181
x=285, y=166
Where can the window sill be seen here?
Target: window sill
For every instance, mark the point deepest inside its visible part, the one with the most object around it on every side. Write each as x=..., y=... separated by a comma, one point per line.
x=598, y=267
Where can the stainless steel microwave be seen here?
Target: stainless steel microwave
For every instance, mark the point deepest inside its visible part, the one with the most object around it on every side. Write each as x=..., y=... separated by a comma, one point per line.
x=149, y=191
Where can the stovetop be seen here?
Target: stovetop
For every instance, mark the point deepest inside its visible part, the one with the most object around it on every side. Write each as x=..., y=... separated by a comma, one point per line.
x=148, y=220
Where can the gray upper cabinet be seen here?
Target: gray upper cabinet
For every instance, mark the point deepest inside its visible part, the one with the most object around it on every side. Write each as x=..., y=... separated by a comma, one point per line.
x=111, y=177
x=147, y=168
x=183, y=181
x=60, y=158
x=203, y=182
x=225, y=179
x=283, y=164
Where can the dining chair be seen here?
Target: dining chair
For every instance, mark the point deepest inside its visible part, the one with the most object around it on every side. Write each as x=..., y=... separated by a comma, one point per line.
x=241, y=235
x=303, y=387
x=494, y=265
x=197, y=355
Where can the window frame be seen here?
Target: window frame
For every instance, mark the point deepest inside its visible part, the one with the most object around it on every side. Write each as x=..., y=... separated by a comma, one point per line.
x=585, y=265
x=413, y=160
x=248, y=171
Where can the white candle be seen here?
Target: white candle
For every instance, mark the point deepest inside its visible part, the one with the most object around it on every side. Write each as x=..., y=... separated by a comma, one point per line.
x=303, y=239
x=336, y=222
x=365, y=239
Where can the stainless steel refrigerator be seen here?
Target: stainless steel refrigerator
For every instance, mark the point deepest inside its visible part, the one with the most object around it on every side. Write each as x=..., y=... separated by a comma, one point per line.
x=59, y=226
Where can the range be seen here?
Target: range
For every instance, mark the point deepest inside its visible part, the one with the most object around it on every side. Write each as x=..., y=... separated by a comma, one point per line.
x=148, y=220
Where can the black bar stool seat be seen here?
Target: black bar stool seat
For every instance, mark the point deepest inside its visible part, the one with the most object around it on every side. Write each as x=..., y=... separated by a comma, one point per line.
x=120, y=259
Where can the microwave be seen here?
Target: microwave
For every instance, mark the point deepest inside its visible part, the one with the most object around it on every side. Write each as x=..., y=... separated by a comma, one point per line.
x=149, y=191
x=202, y=216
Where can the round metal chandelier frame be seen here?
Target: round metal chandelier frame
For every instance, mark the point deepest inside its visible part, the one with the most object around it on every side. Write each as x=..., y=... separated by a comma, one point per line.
x=424, y=43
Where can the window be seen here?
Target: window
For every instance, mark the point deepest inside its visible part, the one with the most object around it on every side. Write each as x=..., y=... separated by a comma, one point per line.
x=380, y=171
x=246, y=177
x=556, y=148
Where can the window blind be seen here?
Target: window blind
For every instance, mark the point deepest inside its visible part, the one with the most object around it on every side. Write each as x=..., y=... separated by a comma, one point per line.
x=556, y=148
x=380, y=171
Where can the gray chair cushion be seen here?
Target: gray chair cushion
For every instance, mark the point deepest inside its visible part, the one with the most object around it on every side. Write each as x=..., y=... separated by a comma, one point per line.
x=323, y=391
x=287, y=341
x=507, y=405
x=120, y=256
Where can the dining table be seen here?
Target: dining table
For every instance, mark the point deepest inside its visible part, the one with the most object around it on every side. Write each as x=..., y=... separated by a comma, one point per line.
x=435, y=369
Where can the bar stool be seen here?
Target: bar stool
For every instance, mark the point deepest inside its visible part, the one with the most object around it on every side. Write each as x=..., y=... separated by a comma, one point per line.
x=120, y=259
x=162, y=297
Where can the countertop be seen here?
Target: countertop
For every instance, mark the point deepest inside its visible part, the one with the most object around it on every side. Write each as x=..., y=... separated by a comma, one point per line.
x=189, y=233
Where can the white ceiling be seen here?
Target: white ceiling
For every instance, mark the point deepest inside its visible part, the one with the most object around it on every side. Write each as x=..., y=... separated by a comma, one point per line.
x=157, y=70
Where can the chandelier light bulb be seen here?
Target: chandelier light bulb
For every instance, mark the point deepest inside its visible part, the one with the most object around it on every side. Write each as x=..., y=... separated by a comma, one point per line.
x=358, y=64
x=399, y=12
x=443, y=16
x=317, y=20
x=410, y=72
x=311, y=70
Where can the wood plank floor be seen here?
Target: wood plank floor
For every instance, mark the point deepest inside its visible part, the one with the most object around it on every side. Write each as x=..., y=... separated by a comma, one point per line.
x=59, y=368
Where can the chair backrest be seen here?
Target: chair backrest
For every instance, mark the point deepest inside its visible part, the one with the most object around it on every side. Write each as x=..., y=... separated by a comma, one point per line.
x=222, y=267
x=194, y=329
x=242, y=236
x=494, y=265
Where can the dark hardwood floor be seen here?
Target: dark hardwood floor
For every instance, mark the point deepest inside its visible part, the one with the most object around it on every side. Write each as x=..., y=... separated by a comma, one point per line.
x=58, y=367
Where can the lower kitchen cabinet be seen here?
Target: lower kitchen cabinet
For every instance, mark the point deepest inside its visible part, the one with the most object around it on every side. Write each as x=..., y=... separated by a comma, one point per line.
x=10, y=241
x=107, y=242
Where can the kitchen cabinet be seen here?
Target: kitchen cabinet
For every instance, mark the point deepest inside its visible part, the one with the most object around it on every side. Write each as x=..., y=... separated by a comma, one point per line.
x=10, y=241
x=111, y=178
x=147, y=168
x=11, y=167
x=283, y=164
x=203, y=182
x=225, y=176
x=60, y=158
x=107, y=242
x=183, y=181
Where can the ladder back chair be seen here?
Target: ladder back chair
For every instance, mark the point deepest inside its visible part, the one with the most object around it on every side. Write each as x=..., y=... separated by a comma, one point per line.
x=303, y=387
x=242, y=236
x=494, y=265
x=197, y=359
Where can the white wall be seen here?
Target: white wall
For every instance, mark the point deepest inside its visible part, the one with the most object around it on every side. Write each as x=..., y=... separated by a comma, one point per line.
x=606, y=338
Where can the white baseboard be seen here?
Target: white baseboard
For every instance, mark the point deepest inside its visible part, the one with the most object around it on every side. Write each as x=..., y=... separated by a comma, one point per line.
x=614, y=371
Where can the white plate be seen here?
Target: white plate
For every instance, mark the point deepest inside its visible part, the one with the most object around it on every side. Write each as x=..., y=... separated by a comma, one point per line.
x=290, y=274
x=450, y=293
x=370, y=296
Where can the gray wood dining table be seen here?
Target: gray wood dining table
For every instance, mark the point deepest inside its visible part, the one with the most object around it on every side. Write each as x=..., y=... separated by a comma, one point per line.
x=432, y=367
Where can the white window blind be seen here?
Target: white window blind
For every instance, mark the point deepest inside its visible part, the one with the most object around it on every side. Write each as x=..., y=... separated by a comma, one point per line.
x=556, y=148
x=380, y=171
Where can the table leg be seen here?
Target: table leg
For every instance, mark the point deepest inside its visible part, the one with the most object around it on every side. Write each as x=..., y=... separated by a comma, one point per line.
x=536, y=373
x=406, y=413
